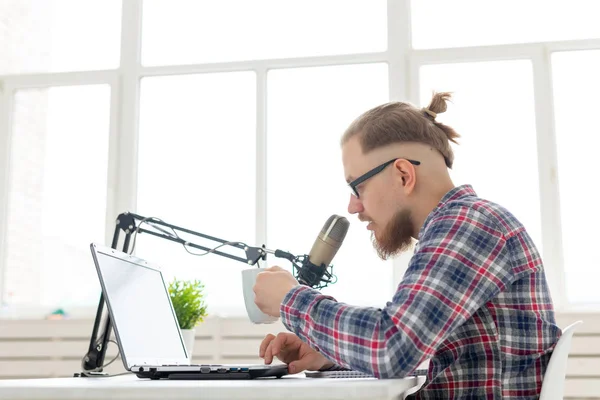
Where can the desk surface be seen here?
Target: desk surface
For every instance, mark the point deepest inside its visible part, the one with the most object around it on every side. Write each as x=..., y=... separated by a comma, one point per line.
x=129, y=387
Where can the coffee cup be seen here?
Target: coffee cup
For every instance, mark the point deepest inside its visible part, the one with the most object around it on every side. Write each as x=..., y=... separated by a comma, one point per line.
x=254, y=313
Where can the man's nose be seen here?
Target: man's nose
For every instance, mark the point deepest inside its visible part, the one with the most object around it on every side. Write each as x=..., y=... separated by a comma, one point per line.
x=355, y=205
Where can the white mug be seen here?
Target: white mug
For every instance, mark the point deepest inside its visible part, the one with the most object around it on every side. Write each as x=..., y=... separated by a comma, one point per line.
x=254, y=313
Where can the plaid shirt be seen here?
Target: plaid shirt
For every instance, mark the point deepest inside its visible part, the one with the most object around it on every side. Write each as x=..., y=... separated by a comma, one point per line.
x=474, y=301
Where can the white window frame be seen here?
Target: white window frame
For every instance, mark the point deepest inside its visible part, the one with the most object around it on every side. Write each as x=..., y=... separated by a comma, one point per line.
x=404, y=65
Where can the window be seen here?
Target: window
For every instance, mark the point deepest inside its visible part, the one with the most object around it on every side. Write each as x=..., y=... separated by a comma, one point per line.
x=225, y=117
x=578, y=140
x=59, y=35
x=229, y=30
x=196, y=170
x=458, y=23
x=305, y=178
x=493, y=111
x=57, y=195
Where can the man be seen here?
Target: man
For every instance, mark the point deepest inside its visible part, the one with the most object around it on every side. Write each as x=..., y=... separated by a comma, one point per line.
x=474, y=299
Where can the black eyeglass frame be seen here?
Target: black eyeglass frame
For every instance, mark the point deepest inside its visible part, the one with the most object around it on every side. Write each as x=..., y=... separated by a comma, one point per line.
x=374, y=172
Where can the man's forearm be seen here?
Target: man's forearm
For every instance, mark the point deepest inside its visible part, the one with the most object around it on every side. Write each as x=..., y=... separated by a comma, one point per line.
x=359, y=338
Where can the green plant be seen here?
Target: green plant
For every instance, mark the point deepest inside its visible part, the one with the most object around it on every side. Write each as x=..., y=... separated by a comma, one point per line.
x=188, y=302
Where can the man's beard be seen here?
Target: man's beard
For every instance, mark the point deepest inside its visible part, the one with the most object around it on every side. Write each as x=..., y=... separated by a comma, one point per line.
x=396, y=236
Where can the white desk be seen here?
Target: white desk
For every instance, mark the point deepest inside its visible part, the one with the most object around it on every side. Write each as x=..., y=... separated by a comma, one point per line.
x=294, y=387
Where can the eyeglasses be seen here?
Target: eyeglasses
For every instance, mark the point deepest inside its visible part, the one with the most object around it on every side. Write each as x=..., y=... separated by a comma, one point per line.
x=353, y=185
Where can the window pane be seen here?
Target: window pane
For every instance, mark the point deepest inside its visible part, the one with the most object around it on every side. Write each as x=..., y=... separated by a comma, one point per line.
x=493, y=111
x=457, y=23
x=59, y=35
x=197, y=164
x=57, y=195
x=188, y=31
x=576, y=88
x=309, y=109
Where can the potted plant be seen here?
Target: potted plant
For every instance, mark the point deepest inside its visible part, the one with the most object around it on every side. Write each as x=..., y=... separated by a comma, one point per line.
x=187, y=298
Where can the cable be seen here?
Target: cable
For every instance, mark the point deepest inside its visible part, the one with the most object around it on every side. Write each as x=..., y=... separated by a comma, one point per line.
x=97, y=373
x=122, y=373
x=137, y=230
x=211, y=250
x=114, y=359
x=176, y=236
x=98, y=369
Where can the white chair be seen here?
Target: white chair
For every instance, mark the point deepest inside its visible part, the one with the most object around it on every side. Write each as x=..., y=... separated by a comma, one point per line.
x=553, y=385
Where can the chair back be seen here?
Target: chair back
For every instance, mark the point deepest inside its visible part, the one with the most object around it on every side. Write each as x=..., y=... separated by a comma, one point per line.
x=553, y=385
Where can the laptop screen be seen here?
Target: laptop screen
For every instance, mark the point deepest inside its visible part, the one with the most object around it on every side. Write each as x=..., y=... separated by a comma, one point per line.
x=141, y=310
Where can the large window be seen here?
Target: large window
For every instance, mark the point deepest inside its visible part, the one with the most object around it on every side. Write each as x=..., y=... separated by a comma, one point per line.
x=460, y=23
x=232, y=30
x=225, y=118
x=578, y=138
x=59, y=35
x=56, y=203
x=496, y=120
x=196, y=170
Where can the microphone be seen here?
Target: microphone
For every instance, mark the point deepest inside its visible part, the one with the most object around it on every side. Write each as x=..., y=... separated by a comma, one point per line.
x=314, y=266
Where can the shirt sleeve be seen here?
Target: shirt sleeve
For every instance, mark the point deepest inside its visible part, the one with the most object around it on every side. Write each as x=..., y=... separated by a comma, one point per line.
x=460, y=263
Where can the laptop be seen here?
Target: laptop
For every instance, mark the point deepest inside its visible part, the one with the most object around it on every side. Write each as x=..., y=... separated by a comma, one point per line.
x=146, y=326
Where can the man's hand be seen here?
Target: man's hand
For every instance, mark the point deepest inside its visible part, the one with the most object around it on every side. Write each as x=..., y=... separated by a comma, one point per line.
x=290, y=349
x=270, y=288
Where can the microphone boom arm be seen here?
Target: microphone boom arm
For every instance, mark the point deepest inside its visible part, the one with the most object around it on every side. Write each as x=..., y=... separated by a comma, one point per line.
x=126, y=222
x=306, y=272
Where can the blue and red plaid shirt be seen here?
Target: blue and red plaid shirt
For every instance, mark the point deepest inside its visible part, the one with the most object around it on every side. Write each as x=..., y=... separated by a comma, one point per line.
x=474, y=301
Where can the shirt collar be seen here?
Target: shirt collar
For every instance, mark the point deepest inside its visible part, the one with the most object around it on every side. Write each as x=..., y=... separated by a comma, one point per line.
x=453, y=194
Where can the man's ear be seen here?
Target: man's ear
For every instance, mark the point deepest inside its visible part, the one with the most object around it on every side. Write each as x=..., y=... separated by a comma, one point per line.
x=407, y=173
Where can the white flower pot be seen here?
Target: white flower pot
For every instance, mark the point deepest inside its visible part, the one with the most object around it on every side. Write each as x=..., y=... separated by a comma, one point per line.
x=189, y=337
